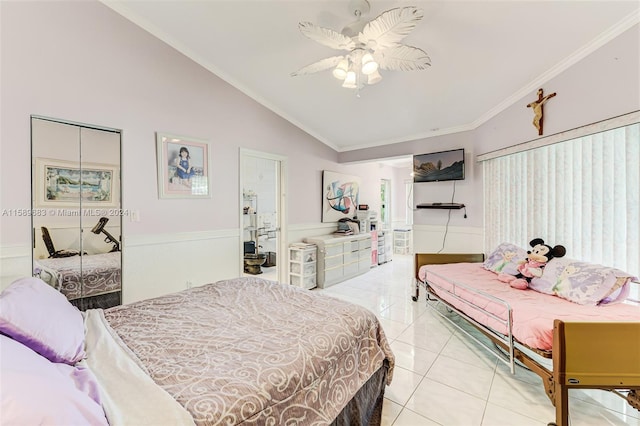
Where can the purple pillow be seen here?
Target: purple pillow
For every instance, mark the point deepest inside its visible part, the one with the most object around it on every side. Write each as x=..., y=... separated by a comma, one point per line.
x=36, y=391
x=40, y=317
x=505, y=259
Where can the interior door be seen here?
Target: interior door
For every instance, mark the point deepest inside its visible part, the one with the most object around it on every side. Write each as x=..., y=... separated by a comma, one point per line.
x=262, y=178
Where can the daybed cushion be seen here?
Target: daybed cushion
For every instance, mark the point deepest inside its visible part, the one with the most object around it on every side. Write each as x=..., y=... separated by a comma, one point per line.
x=583, y=283
x=533, y=312
x=36, y=391
x=40, y=317
x=505, y=259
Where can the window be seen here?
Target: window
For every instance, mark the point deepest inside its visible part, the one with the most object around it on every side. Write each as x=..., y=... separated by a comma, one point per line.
x=582, y=193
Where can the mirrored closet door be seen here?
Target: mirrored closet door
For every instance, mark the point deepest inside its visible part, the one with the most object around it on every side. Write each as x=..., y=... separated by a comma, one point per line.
x=76, y=210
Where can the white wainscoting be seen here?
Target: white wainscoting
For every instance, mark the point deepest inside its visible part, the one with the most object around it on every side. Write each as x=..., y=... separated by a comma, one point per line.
x=154, y=265
x=459, y=239
x=159, y=264
x=15, y=262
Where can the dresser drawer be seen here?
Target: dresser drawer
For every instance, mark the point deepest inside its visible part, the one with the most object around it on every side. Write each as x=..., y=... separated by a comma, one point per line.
x=350, y=246
x=351, y=269
x=364, y=264
x=332, y=262
x=333, y=250
x=364, y=244
x=351, y=256
x=333, y=274
x=364, y=254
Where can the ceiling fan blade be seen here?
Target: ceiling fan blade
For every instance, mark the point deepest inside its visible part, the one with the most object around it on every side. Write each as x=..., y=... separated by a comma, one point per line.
x=403, y=58
x=326, y=36
x=390, y=27
x=321, y=65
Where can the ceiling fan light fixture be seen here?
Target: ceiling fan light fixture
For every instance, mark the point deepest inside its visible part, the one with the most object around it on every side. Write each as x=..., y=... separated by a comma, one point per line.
x=340, y=71
x=350, y=81
x=370, y=44
x=374, y=77
x=369, y=65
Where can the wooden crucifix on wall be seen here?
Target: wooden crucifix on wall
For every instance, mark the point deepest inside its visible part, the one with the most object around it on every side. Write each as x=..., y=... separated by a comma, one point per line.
x=538, y=112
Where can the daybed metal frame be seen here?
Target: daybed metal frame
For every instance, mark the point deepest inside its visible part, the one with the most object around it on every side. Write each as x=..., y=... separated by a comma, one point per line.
x=585, y=355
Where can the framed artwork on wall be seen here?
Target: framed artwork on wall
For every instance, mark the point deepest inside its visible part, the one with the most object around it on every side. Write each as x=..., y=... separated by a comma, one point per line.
x=183, y=166
x=340, y=196
x=62, y=183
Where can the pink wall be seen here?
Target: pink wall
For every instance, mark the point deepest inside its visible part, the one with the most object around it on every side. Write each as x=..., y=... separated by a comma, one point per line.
x=81, y=61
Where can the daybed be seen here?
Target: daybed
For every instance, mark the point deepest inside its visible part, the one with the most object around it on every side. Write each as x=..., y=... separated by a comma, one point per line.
x=240, y=351
x=596, y=347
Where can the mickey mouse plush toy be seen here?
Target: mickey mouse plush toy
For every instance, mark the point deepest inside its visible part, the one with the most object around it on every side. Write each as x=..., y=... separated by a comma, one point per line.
x=533, y=265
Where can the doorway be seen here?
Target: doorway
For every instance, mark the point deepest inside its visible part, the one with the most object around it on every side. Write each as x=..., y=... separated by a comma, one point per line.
x=262, y=213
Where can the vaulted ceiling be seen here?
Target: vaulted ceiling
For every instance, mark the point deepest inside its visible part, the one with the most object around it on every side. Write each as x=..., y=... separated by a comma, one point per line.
x=485, y=55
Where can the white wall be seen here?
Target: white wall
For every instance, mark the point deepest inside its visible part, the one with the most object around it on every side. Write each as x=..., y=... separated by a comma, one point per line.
x=82, y=62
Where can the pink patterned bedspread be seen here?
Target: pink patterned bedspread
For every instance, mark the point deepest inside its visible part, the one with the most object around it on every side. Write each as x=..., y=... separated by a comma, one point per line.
x=252, y=351
x=533, y=312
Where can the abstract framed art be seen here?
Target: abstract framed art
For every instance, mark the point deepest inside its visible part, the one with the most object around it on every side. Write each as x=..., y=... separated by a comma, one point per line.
x=183, y=166
x=340, y=196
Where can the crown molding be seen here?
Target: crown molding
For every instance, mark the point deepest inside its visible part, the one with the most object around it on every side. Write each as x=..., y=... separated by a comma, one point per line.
x=608, y=35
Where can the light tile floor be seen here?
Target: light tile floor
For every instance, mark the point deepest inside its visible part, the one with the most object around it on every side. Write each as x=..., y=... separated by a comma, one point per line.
x=442, y=377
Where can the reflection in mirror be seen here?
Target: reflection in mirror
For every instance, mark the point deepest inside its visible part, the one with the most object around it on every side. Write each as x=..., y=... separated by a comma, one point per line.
x=76, y=206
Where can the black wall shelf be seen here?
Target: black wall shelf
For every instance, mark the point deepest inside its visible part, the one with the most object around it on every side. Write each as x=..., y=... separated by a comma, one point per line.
x=446, y=206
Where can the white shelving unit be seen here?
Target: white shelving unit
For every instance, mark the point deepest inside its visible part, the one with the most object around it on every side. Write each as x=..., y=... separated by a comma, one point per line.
x=302, y=265
x=401, y=241
x=250, y=218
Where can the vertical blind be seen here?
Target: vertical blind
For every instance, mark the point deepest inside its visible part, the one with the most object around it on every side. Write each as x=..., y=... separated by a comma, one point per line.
x=581, y=193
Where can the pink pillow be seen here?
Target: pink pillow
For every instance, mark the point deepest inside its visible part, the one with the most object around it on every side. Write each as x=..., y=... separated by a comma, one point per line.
x=36, y=391
x=40, y=317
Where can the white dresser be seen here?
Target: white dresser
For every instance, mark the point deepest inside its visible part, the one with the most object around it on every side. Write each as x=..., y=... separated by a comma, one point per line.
x=341, y=258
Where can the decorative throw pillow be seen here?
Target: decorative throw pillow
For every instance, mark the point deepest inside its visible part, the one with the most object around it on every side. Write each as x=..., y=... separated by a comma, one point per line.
x=582, y=282
x=36, y=391
x=505, y=259
x=41, y=318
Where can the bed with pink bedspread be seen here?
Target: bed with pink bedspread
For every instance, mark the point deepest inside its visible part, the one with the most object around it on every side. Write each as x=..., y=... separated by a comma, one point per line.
x=533, y=313
x=594, y=346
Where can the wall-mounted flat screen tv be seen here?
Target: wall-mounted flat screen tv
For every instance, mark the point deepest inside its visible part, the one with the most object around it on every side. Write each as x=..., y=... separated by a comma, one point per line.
x=439, y=166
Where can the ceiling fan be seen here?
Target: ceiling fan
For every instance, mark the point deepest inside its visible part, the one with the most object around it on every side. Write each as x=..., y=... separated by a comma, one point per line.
x=370, y=46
